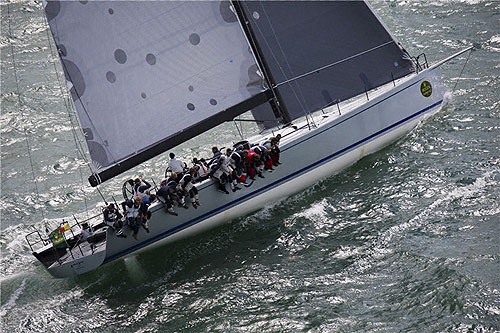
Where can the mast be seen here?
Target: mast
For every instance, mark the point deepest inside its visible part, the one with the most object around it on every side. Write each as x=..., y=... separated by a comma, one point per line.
x=277, y=102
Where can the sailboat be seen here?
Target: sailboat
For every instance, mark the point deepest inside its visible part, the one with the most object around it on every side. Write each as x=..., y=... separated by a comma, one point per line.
x=146, y=76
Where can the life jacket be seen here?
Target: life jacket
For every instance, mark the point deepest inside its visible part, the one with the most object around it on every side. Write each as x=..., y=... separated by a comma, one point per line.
x=186, y=182
x=139, y=190
x=236, y=159
x=250, y=157
x=203, y=170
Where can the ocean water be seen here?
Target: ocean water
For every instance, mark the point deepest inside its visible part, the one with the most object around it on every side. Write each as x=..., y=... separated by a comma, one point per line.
x=405, y=240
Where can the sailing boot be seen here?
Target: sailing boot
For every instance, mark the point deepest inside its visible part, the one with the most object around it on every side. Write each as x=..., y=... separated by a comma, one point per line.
x=171, y=211
x=193, y=202
x=119, y=233
x=145, y=226
x=182, y=204
x=222, y=188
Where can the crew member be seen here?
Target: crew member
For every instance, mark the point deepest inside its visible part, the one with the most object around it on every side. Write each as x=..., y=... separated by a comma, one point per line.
x=140, y=188
x=176, y=165
x=113, y=219
x=217, y=175
x=186, y=187
x=163, y=194
x=131, y=212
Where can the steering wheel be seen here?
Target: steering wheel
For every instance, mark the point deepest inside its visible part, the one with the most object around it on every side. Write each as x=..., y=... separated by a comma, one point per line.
x=128, y=189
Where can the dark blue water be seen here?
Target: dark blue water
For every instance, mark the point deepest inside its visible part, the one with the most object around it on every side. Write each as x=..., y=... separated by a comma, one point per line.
x=406, y=240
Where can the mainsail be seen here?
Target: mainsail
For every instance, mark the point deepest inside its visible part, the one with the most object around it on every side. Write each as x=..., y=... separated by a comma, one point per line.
x=145, y=76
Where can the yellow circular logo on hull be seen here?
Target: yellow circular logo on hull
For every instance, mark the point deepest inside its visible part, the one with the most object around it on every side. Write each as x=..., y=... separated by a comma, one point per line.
x=426, y=88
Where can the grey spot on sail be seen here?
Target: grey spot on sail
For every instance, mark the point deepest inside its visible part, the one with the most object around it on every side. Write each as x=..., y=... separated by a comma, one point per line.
x=87, y=132
x=190, y=106
x=111, y=77
x=191, y=88
x=83, y=2
x=143, y=95
x=52, y=9
x=194, y=39
x=213, y=102
x=96, y=150
x=110, y=11
x=98, y=153
x=256, y=15
x=151, y=59
x=73, y=75
x=62, y=50
x=226, y=13
x=120, y=56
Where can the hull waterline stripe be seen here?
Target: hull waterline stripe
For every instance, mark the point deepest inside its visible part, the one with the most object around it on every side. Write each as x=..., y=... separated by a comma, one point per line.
x=294, y=174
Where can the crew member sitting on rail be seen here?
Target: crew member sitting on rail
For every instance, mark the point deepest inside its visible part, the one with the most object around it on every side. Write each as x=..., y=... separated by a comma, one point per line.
x=131, y=212
x=265, y=158
x=237, y=162
x=217, y=175
x=228, y=170
x=113, y=219
x=252, y=161
x=146, y=201
x=202, y=170
x=186, y=187
x=177, y=198
x=164, y=196
x=273, y=145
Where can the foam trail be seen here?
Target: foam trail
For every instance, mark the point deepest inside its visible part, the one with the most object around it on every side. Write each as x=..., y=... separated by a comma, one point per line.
x=134, y=268
x=12, y=300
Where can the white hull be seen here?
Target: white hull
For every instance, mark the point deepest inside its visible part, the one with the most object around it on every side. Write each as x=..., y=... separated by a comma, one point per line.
x=307, y=156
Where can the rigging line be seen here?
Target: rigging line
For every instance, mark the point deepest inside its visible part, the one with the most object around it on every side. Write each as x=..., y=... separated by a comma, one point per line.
x=84, y=196
x=20, y=109
x=335, y=63
x=306, y=112
x=461, y=72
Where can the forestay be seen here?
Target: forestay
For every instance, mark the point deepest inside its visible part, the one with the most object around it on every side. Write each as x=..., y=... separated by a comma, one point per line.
x=319, y=52
x=146, y=75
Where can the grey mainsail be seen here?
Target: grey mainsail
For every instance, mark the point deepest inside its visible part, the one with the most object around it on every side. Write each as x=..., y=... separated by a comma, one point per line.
x=319, y=52
x=146, y=75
